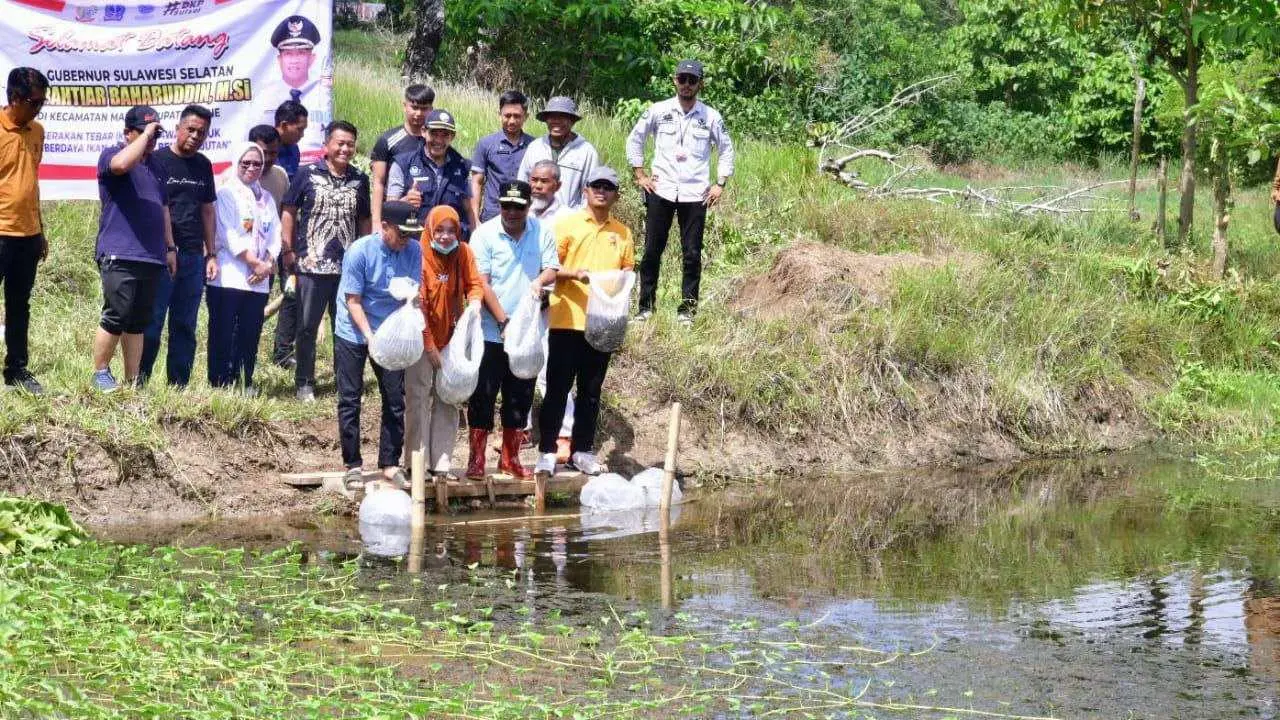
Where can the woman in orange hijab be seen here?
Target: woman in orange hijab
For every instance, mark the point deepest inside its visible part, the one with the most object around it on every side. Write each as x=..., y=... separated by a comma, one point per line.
x=449, y=279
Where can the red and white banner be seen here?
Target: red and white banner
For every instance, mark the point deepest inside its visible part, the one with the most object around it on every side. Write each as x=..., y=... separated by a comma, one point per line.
x=239, y=58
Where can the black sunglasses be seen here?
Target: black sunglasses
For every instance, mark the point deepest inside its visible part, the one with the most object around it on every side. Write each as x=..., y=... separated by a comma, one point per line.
x=246, y=164
x=688, y=79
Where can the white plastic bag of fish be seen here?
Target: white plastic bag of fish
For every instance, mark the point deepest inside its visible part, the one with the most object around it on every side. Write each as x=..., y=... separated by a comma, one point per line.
x=523, y=339
x=608, y=308
x=397, y=343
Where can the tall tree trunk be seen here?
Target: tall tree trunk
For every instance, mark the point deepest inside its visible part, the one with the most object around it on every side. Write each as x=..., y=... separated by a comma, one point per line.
x=1191, y=124
x=1136, y=154
x=1162, y=180
x=1221, y=208
x=424, y=45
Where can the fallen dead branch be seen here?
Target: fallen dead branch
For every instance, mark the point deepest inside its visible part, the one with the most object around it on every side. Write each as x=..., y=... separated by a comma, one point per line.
x=838, y=152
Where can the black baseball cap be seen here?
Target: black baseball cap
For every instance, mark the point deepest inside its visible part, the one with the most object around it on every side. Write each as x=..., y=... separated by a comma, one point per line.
x=689, y=67
x=402, y=215
x=515, y=192
x=139, y=117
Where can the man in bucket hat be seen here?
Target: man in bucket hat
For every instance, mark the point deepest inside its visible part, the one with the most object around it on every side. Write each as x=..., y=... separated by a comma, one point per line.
x=685, y=132
x=391, y=251
x=575, y=156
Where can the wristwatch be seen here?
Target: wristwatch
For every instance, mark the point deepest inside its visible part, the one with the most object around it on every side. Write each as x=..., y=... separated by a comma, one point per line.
x=171, y=249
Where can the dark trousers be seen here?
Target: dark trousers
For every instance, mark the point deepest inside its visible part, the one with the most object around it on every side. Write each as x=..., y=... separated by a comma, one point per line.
x=1275, y=219
x=286, y=321
x=19, y=257
x=235, y=326
x=177, y=298
x=495, y=377
x=316, y=295
x=571, y=362
x=657, y=225
x=348, y=367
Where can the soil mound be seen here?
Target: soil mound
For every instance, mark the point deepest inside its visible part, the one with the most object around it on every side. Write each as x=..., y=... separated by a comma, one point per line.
x=811, y=276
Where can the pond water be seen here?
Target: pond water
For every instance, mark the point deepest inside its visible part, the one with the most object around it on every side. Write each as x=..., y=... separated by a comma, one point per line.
x=1071, y=589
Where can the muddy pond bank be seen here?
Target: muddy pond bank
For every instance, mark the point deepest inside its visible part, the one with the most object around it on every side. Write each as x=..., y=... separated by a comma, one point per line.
x=1053, y=590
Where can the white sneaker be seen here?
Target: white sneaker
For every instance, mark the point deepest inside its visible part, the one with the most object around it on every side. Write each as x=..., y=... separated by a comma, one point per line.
x=586, y=463
x=546, y=464
x=644, y=316
x=306, y=394
x=684, y=320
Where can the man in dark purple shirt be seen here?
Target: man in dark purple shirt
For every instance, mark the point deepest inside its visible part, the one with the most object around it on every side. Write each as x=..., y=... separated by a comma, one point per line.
x=497, y=157
x=135, y=244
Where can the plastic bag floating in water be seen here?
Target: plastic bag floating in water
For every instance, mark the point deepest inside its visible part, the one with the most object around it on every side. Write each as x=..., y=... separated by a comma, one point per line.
x=385, y=517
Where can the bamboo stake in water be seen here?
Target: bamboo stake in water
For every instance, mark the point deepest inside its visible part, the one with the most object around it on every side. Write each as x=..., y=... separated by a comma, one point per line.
x=418, y=491
x=418, y=517
x=669, y=467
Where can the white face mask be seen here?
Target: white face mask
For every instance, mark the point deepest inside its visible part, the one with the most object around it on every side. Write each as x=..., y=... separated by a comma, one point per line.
x=442, y=249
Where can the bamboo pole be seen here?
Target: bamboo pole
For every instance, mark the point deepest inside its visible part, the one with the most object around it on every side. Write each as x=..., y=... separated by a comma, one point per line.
x=669, y=466
x=418, y=517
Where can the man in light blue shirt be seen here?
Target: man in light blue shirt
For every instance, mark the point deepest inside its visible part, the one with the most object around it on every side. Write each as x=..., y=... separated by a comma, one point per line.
x=368, y=267
x=516, y=255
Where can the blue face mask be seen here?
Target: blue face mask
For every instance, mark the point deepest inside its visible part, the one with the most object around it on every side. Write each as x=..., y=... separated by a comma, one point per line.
x=444, y=250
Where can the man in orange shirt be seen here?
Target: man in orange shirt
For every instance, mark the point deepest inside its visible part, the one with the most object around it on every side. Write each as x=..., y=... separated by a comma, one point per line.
x=587, y=240
x=22, y=241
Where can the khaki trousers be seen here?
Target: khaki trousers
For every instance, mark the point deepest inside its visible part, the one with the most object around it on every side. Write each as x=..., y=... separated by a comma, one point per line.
x=431, y=425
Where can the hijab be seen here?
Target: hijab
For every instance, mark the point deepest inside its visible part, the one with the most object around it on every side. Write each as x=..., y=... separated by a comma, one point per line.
x=438, y=215
x=254, y=206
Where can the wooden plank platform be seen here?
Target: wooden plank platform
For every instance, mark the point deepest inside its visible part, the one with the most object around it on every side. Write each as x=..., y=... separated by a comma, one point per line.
x=494, y=486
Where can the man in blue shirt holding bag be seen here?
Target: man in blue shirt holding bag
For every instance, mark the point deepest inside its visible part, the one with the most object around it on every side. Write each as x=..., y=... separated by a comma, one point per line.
x=368, y=268
x=516, y=255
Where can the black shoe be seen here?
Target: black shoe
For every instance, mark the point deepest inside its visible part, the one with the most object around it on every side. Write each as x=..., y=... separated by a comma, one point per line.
x=25, y=381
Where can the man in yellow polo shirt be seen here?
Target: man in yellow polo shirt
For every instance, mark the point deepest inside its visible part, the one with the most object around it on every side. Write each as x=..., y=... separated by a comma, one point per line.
x=22, y=241
x=588, y=240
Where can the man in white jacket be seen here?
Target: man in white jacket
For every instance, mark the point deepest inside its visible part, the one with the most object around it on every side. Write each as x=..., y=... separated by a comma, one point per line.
x=685, y=132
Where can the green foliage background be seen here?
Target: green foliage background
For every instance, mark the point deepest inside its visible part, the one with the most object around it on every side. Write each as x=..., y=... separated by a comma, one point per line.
x=1034, y=82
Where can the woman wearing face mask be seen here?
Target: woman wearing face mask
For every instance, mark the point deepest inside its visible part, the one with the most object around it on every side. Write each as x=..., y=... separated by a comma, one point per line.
x=449, y=279
x=248, y=239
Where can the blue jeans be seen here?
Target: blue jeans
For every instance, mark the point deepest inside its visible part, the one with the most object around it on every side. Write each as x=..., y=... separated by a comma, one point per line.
x=177, y=298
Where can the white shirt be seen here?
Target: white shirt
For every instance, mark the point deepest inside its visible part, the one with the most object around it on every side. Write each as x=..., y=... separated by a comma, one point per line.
x=239, y=218
x=576, y=159
x=551, y=213
x=682, y=148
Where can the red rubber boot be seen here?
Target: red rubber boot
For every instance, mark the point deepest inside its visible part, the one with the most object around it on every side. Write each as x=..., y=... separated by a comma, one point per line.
x=509, y=461
x=475, y=461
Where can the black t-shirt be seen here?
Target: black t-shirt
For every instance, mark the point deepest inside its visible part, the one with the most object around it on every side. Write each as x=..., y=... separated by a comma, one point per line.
x=393, y=142
x=330, y=209
x=189, y=186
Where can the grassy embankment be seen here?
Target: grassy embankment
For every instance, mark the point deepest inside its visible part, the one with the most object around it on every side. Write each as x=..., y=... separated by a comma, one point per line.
x=1033, y=330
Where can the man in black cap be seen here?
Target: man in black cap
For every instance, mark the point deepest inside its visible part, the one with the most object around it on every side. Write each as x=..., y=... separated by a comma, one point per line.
x=516, y=256
x=685, y=132
x=368, y=268
x=436, y=174
x=135, y=244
